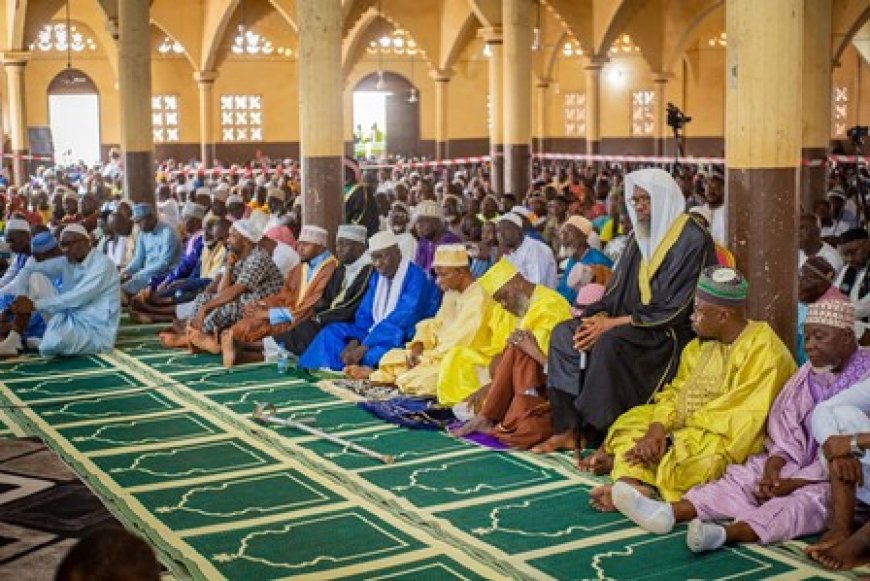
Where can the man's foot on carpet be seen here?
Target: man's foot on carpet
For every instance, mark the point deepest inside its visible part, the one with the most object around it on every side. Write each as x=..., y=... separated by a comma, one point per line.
x=601, y=498
x=205, y=341
x=478, y=424
x=140, y=317
x=564, y=441
x=11, y=346
x=703, y=536
x=831, y=538
x=229, y=351
x=173, y=340
x=358, y=371
x=598, y=463
x=651, y=515
x=846, y=555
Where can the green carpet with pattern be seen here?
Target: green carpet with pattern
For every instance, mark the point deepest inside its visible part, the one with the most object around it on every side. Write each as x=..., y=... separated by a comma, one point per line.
x=166, y=440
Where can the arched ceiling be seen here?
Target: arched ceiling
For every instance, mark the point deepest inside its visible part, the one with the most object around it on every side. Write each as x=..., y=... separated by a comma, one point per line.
x=662, y=29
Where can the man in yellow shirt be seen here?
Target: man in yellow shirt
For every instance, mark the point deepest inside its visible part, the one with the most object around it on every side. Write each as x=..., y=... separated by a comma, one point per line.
x=712, y=413
x=515, y=408
x=450, y=353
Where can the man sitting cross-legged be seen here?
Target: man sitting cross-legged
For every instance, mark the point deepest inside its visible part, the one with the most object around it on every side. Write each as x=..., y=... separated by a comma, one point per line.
x=294, y=303
x=396, y=300
x=250, y=276
x=781, y=493
x=82, y=318
x=145, y=306
x=841, y=427
x=712, y=414
x=515, y=408
x=450, y=353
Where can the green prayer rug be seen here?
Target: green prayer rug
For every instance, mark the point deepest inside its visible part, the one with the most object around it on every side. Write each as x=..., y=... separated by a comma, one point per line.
x=166, y=440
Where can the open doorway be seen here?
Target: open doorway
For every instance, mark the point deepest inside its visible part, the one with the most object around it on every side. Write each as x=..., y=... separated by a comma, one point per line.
x=386, y=120
x=74, y=118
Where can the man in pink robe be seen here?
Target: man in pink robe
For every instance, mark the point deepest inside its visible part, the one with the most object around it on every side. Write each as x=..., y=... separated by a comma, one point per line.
x=783, y=492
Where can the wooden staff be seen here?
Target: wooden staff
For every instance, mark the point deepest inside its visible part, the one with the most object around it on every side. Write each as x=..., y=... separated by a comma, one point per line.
x=266, y=413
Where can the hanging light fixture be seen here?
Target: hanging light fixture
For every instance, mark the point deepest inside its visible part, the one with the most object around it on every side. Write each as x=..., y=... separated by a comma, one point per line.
x=70, y=76
x=536, y=32
x=380, y=84
x=412, y=97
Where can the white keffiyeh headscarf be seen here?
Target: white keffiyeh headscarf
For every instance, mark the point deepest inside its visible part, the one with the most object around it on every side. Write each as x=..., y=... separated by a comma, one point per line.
x=667, y=204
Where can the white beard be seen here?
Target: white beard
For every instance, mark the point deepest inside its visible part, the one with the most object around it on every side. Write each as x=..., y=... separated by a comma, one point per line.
x=823, y=370
x=642, y=230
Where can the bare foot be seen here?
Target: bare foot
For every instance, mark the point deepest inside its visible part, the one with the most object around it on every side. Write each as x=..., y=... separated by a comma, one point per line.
x=358, y=371
x=228, y=349
x=173, y=340
x=563, y=441
x=204, y=341
x=849, y=554
x=599, y=463
x=830, y=539
x=140, y=317
x=600, y=498
x=478, y=424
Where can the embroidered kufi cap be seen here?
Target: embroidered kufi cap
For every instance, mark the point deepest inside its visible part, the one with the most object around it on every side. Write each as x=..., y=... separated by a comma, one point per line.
x=723, y=286
x=453, y=255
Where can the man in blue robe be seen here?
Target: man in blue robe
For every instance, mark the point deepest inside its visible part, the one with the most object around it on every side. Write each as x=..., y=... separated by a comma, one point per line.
x=399, y=295
x=158, y=249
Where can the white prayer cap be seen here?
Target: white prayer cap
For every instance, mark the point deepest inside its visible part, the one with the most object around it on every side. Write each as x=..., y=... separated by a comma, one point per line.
x=383, y=240
x=248, y=230
x=522, y=211
x=193, y=210
x=314, y=235
x=18, y=225
x=429, y=209
x=581, y=223
x=260, y=180
x=203, y=191
x=180, y=189
x=235, y=199
x=354, y=232
x=276, y=193
x=75, y=229
x=259, y=220
x=513, y=219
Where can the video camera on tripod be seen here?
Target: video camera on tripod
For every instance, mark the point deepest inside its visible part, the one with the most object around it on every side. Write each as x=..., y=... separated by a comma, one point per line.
x=677, y=119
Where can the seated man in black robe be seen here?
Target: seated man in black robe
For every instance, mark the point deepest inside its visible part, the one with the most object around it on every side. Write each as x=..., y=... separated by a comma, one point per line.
x=627, y=345
x=344, y=291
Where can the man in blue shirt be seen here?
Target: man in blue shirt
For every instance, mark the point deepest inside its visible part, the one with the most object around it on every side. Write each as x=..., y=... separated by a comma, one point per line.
x=157, y=252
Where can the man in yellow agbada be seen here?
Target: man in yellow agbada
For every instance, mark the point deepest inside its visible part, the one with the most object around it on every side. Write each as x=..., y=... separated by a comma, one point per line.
x=713, y=413
x=450, y=354
x=515, y=407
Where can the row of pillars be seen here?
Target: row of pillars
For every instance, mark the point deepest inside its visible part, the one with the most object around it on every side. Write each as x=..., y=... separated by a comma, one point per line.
x=777, y=111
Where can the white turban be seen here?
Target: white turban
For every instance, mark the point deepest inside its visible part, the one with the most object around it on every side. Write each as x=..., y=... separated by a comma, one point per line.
x=383, y=240
x=248, y=230
x=18, y=225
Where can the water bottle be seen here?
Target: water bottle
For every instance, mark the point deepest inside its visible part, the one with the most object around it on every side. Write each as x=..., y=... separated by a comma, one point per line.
x=283, y=362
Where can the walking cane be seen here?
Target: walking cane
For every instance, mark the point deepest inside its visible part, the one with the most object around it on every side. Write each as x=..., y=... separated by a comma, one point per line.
x=266, y=413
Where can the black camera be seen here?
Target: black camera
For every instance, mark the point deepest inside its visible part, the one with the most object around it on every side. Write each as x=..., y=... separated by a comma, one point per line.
x=677, y=119
x=857, y=133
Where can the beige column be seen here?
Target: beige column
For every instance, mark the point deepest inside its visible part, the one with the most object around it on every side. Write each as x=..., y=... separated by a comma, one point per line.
x=593, y=104
x=493, y=39
x=321, y=113
x=442, y=80
x=763, y=148
x=134, y=92
x=816, y=93
x=14, y=63
x=541, y=115
x=661, y=129
x=517, y=73
x=205, y=82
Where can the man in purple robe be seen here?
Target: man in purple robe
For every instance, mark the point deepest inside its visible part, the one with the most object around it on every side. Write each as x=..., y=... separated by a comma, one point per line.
x=783, y=492
x=432, y=233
